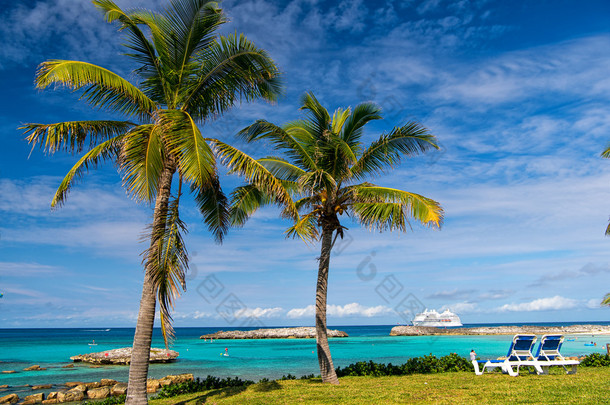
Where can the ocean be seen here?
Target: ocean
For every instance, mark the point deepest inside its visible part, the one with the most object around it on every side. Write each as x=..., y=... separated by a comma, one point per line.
x=248, y=359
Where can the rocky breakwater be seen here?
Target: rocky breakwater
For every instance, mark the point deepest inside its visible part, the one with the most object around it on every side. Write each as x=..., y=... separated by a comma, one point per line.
x=275, y=333
x=123, y=356
x=500, y=330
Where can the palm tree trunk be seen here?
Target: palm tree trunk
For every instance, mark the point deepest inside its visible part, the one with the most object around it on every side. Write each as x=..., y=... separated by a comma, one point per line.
x=140, y=352
x=327, y=370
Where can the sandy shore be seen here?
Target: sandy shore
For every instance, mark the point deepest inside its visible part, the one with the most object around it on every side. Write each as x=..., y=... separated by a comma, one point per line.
x=502, y=330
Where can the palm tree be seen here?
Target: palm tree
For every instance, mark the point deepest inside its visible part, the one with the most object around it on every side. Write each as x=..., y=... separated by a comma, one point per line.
x=606, y=300
x=187, y=74
x=324, y=168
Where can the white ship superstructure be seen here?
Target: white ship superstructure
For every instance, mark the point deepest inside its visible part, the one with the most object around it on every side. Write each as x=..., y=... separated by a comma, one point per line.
x=433, y=318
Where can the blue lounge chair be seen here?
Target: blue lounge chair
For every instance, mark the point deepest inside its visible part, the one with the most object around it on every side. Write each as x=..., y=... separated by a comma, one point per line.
x=548, y=355
x=549, y=348
x=519, y=353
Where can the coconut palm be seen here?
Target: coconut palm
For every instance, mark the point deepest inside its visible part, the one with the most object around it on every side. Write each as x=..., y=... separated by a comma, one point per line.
x=186, y=74
x=325, y=167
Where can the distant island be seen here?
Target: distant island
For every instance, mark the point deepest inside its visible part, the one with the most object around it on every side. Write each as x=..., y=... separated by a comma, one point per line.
x=123, y=356
x=500, y=330
x=274, y=333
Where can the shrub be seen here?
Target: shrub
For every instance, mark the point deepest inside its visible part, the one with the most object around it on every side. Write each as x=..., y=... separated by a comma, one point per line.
x=595, y=360
x=198, y=385
x=416, y=365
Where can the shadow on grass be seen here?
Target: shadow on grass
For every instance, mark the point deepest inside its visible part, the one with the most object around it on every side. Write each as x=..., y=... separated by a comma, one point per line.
x=222, y=393
x=267, y=386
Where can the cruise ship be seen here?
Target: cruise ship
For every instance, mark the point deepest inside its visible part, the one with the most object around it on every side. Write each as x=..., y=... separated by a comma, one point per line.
x=433, y=318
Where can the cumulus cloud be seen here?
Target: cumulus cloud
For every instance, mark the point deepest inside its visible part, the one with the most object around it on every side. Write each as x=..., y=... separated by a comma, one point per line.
x=463, y=307
x=353, y=309
x=260, y=312
x=542, y=304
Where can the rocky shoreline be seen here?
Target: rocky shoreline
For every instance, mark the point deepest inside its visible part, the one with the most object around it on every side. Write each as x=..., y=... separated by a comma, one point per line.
x=274, y=333
x=123, y=356
x=500, y=330
x=79, y=391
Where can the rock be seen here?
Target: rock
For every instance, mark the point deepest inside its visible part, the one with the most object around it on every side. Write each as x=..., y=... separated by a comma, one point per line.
x=33, y=399
x=35, y=367
x=119, y=389
x=42, y=387
x=3, y=386
x=98, y=393
x=8, y=371
x=276, y=333
x=52, y=395
x=177, y=379
x=498, y=330
x=50, y=401
x=152, y=385
x=80, y=387
x=68, y=366
x=70, y=396
x=94, y=384
x=72, y=384
x=9, y=399
x=107, y=382
x=123, y=356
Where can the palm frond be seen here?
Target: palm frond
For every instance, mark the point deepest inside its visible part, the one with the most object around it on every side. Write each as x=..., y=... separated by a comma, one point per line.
x=362, y=114
x=231, y=70
x=608, y=229
x=408, y=140
x=168, y=267
x=142, y=161
x=386, y=208
x=72, y=136
x=281, y=168
x=189, y=28
x=102, y=88
x=214, y=206
x=339, y=118
x=108, y=150
x=144, y=51
x=315, y=181
x=255, y=173
x=606, y=300
x=245, y=200
x=292, y=140
x=319, y=120
x=305, y=228
x=606, y=153
x=196, y=160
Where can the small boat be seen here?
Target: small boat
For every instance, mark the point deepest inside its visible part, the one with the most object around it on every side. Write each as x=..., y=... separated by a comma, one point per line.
x=590, y=344
x=433, y=318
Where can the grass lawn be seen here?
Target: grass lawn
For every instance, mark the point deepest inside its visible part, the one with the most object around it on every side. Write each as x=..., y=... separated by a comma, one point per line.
x=589, y=386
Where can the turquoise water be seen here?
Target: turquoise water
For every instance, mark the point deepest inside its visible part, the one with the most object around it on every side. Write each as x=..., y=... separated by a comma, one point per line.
x=248, y=359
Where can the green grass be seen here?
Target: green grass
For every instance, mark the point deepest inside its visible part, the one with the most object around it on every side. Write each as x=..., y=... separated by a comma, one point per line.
x=588, y=386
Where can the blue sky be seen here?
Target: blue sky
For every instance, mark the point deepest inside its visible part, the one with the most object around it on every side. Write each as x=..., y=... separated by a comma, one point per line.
x=518, y=94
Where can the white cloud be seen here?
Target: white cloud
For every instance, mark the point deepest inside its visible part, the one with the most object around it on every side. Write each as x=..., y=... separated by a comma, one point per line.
x=260, y=312
x=463, y=307
x=542, y=304
x=341, y=311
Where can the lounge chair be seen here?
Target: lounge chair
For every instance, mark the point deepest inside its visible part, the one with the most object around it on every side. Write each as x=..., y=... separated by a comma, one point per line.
x=519, y=353
x=548, y=355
